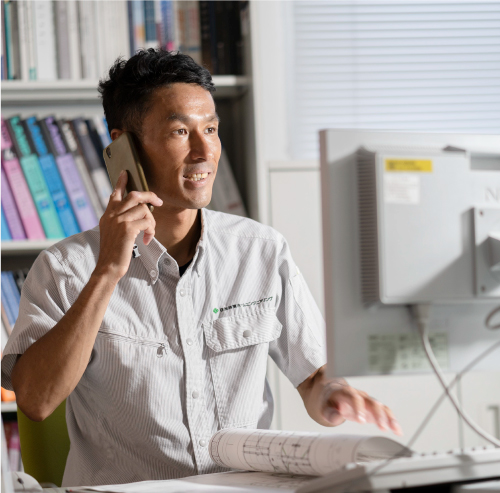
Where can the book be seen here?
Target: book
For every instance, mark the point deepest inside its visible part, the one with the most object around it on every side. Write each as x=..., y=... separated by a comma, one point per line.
x=23, y=39
x=12, y=39
x=35, y=179
x=302, y=453
x=131, y=39
x=4, y=48
x=13, y=445
x=168, y=25
x=6, y=17
x=75, y=56
x=86, y=16
x=113, y=17
x=7, y=308
x=92, y=160
x=62, y=39
x=10, y=297
x=5, y=320
x=9, y=210
x=122, y=47
x=20, y=191
x=78, y=196
x=206, y=39
x=44, y=40
x=20, y=277
x=137, y=25
x=6, y=236
x=100, y=127
x=225, y=194
x=52, y=176
x=191, y=39
x=30, y=40
x=73, y=148
x=150, y=40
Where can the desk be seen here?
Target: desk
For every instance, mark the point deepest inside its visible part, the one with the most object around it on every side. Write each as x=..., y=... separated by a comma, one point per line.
x=237, y=482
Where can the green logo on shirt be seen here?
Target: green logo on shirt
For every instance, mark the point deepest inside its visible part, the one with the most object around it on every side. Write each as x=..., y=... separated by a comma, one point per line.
x=237, y=305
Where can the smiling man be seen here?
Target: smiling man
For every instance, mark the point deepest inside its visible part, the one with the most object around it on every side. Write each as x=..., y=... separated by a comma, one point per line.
x=156, y=353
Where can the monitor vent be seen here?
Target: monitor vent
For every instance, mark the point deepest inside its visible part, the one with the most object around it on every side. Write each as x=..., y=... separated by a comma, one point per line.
x=368, y=231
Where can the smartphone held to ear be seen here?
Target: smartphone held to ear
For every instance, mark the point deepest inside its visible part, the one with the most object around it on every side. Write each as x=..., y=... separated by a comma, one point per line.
x=120, y=155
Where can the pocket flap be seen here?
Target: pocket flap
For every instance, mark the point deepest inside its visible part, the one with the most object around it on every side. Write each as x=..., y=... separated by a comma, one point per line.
x=240, y=331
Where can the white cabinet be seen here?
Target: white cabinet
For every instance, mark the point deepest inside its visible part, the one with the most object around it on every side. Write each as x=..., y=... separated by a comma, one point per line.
x=296, y=213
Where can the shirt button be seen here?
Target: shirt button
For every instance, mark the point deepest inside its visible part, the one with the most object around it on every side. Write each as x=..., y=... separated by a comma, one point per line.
x=203, y=443
x=152, y=273
x=247, y=333
x=182, y=292
x=189, y=342
x=195, y=394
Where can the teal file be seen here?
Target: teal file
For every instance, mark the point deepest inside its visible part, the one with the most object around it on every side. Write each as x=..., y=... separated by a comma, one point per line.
x=41, y=196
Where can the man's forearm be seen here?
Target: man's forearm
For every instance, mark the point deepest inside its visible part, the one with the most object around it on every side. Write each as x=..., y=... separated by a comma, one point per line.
x=51, y=368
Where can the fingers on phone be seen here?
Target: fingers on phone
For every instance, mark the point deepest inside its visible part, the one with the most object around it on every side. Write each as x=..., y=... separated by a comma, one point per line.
x=119, y=190
x=140, y=211
x=136, y=198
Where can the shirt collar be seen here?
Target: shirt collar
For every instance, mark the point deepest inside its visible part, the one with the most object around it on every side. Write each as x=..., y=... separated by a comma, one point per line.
x=151, y=254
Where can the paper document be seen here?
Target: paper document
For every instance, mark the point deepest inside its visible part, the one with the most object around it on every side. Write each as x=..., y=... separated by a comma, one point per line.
x=167, y=486
x=312, y=454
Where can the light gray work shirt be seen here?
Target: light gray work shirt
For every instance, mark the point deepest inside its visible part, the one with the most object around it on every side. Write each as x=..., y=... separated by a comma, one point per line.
x=176, y=358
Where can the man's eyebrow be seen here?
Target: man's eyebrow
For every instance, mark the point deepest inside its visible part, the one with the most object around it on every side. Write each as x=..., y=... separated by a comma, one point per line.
x=185, y=118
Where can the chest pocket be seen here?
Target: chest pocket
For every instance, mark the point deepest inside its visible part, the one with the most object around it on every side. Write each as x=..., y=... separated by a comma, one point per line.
x=238, y=349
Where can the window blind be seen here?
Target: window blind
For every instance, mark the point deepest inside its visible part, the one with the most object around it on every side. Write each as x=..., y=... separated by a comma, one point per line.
x=429, y=66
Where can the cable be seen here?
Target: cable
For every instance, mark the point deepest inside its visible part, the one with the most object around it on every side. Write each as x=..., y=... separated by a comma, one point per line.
x=429, y=415
x=489, y=317
x=433, y=409
x=421, y=316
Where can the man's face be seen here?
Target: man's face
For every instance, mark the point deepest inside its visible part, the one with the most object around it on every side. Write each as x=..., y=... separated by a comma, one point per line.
x=180, y=141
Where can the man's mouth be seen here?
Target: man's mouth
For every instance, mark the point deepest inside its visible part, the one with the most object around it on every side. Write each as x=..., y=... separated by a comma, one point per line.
x=196, y=176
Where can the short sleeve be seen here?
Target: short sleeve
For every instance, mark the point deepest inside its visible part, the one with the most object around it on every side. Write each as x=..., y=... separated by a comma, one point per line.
x=43, y=303
x=300, y=350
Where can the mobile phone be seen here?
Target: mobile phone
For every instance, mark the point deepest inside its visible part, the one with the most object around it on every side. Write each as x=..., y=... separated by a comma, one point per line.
x=120, y=155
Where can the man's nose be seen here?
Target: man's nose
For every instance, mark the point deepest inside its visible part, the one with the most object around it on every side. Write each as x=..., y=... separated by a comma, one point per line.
x=201, y=148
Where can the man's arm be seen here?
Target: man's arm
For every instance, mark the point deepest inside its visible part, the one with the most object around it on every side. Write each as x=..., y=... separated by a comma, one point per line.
x=51, y=368
x=331, y=402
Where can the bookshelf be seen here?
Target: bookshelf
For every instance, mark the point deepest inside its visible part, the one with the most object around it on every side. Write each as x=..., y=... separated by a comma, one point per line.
x=21, y=93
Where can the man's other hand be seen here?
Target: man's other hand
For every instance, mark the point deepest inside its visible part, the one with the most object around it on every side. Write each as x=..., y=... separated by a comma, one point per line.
x=331, y=402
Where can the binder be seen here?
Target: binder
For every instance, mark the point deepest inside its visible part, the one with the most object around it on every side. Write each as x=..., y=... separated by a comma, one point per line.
x=75, y=187
x=10, y=213
x=52, y=177
x=19, y=187
x=93, y=161
x=5, y=228
x=35, y=179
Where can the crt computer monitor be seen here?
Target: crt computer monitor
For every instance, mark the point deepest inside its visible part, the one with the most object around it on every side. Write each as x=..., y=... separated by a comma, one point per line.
x=409, y=218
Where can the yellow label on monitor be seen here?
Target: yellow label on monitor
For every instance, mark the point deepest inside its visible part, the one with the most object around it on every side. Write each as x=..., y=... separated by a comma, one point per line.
x=408, y=165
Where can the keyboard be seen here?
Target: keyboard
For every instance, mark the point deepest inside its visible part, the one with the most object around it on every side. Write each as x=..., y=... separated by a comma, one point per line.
x=455, y=466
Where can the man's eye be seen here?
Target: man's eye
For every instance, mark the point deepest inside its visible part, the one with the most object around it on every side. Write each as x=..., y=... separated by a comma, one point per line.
x=211, y=130
x=180, y=130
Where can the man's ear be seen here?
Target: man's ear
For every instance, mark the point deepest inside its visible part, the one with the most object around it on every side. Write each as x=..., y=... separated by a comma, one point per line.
x=115, y=133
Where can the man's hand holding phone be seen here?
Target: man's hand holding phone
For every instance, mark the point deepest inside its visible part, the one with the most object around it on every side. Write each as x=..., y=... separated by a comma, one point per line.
x=120, y=224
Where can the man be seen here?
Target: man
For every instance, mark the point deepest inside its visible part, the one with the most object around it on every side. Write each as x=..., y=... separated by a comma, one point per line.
x=156, y=353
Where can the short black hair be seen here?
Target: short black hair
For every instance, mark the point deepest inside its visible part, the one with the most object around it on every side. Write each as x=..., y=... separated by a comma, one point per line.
x=127, y=90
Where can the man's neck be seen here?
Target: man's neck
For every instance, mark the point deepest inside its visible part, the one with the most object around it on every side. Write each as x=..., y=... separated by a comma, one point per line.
x=178, y=231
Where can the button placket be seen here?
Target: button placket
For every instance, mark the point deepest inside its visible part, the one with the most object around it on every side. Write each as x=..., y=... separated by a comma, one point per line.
x=198, y=426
